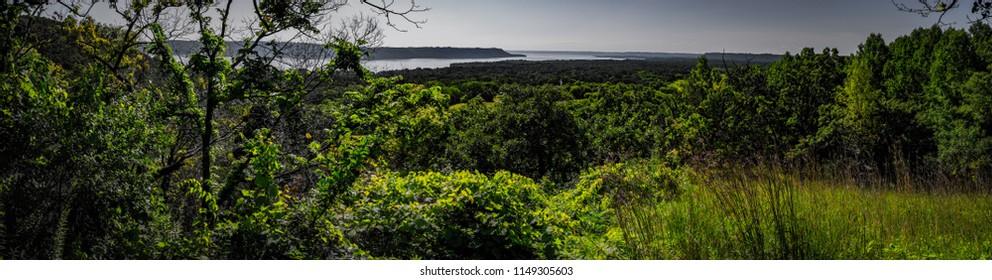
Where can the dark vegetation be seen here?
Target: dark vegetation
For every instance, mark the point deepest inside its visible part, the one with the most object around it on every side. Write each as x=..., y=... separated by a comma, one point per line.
x=629, y=68
x=535, y=73
x=112, y=149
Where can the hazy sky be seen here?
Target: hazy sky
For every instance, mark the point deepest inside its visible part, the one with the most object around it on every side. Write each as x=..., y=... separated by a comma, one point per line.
x=757, y=26
x=666, y=26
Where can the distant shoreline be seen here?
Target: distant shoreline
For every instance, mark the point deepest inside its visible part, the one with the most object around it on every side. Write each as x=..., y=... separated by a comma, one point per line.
x=302, y=50
x=389, y=53
x=308, y=50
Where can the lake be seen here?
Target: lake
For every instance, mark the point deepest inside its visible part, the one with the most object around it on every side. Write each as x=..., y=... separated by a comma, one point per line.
x=396, y=64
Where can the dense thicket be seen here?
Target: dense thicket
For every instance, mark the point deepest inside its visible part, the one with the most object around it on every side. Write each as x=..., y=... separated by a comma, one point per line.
x=120, y=151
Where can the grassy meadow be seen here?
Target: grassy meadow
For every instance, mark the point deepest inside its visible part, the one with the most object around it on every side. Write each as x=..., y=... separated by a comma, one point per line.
x=774, y=213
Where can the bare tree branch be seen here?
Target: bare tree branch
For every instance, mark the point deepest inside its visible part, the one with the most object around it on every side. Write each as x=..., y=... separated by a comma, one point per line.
x=387, y=10
x=928, y=7
x=361, y=30
x=925, y=8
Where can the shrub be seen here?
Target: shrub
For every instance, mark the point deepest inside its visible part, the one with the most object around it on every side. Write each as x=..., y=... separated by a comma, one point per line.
x=601, y=217
x=463, y=215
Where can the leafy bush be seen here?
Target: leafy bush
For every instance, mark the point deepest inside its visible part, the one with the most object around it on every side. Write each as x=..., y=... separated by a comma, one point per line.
x=74, y=180
x=623, y=121
x=459, y=216
x=526, y=132
x=600, y=217
x=407, y=123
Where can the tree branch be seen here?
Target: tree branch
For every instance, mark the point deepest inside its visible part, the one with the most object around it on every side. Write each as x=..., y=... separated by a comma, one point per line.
x=386, y=9
x=925, y=8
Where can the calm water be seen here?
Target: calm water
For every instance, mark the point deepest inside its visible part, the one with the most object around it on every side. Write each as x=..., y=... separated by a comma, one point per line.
x=386, y=65
x=396, y=64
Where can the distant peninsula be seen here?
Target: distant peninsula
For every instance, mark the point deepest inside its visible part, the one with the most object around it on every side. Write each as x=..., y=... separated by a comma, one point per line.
x=302, y=50
x=763, y=58
x=440, y=53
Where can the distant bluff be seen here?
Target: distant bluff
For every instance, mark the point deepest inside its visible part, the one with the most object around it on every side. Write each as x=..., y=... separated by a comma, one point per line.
x=302, y=50
x=440, y=53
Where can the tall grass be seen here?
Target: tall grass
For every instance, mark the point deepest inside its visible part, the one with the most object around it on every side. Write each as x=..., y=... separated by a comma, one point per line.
x=812, y=213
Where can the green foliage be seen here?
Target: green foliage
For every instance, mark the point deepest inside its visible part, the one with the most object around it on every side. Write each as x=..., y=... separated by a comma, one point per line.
x=260, y=224
x=622, y=121
x=339, y=167
x=724, y=114
x=981, y=39
x=348, y=57
x=960, y=138
x=459, y=216
x=262, y=220
x=479, y=78
x=913, y=100
x=407, y=122
x=525, y=132
x=75, y=176
x=111, y=149
x=962, y=133
x=585, y=220
x=600, y=217
x=805, y=84
x=856, y=121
